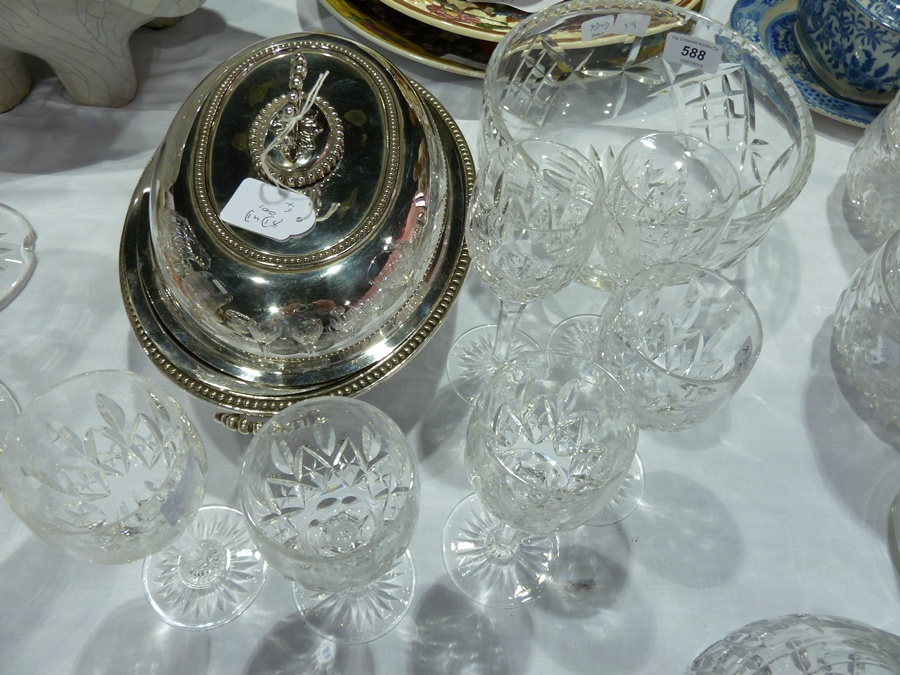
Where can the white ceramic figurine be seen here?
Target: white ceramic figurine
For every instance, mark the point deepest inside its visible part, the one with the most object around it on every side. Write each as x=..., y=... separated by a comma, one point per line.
x=84, y=41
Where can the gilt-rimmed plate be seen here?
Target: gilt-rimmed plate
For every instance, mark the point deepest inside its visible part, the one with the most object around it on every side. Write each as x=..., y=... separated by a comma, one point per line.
x=400, y=34
x=479, y=20
x=771, y=24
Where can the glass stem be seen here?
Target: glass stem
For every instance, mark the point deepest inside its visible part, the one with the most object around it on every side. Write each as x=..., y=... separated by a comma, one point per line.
x=192, y=551
x=503, y=543
x=506, y=326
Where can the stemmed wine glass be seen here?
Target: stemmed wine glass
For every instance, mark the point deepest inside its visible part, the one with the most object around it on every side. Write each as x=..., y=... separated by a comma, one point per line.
x=669, y=198
x=330, y=489
x=107, y=466
x=531, y=225
x=548, y=444
x=17, y=258
x=682, y=340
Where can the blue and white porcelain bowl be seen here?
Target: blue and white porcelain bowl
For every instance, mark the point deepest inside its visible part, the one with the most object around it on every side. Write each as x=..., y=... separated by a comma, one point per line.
x=853, y=46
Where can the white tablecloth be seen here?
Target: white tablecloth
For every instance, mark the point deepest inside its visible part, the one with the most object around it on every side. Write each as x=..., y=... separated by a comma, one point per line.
x=778, y=505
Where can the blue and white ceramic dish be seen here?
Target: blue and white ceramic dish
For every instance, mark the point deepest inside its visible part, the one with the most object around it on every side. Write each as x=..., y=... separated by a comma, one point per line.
x=853, y=46
x=771, y=24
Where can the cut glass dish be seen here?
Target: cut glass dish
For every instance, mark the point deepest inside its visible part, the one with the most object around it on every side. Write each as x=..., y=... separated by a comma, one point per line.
x=17, y=258
x=802, y=643
x=596, y=74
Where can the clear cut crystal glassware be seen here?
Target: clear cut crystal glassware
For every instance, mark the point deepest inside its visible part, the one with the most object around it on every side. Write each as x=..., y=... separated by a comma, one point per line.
x=593, y=74
x=894, y=532
x=682, y=340
x=578, y=335
x=9, y=411
x=17, y=259
x=873, y=175
x=107, y=466
x=867, y=330
x=531, y=224
x=548, y=444
x=669, y=198
x=330, y=489
x=802, y=644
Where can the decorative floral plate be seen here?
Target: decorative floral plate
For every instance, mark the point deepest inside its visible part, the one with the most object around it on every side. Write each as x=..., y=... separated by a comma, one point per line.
x=771, y=24
x=403, y=35
x=479, y=20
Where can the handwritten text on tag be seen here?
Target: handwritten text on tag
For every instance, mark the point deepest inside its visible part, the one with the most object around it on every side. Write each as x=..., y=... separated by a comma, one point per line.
x=620, y=24
x=269, y=210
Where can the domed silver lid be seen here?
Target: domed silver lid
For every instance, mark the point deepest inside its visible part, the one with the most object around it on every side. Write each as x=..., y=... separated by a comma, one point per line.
x=334, y=142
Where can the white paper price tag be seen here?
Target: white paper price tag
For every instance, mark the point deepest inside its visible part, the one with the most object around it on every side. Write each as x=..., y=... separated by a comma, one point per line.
x=597, y=27
x=691, y=51
x=269, y=210
x=620, y=24
x=632, y=24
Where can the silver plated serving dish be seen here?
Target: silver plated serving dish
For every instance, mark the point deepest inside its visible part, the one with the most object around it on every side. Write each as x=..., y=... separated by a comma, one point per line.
x=371, y=177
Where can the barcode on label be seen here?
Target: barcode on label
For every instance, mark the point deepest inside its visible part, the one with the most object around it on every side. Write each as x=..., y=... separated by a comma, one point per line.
x=691, y=51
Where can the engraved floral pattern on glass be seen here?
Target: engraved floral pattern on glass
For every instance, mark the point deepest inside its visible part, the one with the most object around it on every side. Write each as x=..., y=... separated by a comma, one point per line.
x=107, y=466
x=110, y=472
x=867, y=329
x=542, y=85
x=548, y=445
x=682, y=340
x=531, y=225
x=669, y=198
x=330, y=490
x=543, y=455
x=801, y=643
